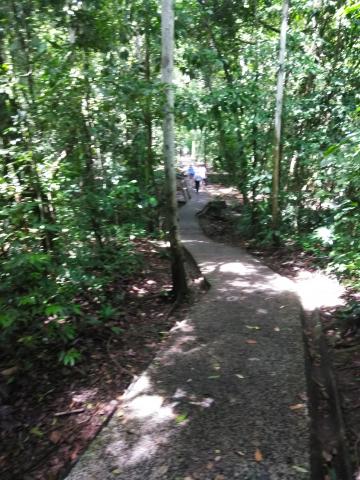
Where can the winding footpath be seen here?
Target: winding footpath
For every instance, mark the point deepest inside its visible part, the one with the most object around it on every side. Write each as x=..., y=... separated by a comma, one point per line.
x=225, y=397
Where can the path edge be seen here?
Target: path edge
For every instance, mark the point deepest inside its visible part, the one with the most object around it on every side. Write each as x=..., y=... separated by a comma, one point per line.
x=322, y=387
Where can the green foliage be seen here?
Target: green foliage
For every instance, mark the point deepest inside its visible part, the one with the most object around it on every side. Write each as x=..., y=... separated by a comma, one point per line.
x=80, y=143
x=228, y=98
x=70, y=357
x=77, y=182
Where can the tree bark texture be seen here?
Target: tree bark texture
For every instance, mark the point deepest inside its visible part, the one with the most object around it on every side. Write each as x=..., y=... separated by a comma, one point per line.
x=278, y=117
x=167, y=71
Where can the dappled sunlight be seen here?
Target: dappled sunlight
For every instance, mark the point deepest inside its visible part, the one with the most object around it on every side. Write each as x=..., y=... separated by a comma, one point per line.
x=150, y=406
x=245, y=278
x=140, y=386
x=151, y=418
x=190, y=242
x=180, y=347
x=146, y=418
x=143, y=449
x=280, y=284
x=316, y=290
x=208, y=267
x=206, y=402
x=180, y=393
x=237, y=268
x=183, y=326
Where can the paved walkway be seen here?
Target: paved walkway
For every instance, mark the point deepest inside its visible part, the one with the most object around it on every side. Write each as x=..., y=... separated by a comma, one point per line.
x=225, y=397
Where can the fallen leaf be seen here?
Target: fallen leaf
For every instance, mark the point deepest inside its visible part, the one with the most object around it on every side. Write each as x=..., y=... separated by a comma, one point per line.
x=213, y=377
x=242, y=454
x=219, y=477
x=258, y=456
x=116, y=471
x=327, y=456
x=8, y=372
x=210, y=466
x=162, y=470
x=253, y=327
x=55, y=436
x=218, y=458
x=276, y=329
x=75, y=453
x=300, y=469
x=251, y=342
x=37, y=432
x=298, y=406
x=239, y=376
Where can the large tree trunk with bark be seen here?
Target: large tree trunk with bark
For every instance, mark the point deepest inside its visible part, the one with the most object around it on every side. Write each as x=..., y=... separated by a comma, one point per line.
x=278, y=117
x=167, y=67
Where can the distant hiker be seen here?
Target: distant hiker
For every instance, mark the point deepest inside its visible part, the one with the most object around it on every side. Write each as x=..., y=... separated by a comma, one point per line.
x=202, y=172
x=197, y=179
x=191, y=172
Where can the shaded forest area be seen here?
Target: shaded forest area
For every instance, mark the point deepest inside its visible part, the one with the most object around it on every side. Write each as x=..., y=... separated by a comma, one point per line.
x=82, y=181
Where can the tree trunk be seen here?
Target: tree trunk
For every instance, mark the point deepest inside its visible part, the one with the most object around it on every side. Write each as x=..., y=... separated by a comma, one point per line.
x=278, y=116
x=148, y=118
x=167, y=66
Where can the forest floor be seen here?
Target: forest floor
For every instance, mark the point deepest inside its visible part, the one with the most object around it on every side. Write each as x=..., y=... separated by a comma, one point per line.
x=225, y=397
x=339, y=320
x=49, y=413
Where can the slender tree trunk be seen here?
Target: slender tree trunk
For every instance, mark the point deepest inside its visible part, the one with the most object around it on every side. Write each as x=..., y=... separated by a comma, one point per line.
x=167, y=66
x=149, y=173
x=89, y=180
x=278, y=116
x=24, y=63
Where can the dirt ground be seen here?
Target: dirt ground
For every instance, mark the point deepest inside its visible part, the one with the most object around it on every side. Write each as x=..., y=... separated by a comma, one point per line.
x=49, y=413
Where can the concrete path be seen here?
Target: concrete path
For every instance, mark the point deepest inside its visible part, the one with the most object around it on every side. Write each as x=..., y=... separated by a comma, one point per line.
x=225, y=397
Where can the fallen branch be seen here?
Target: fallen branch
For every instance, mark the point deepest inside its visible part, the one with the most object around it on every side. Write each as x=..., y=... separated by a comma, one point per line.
x=69, y=412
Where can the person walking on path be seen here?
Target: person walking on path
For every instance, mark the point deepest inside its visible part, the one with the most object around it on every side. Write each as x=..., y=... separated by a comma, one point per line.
x=202, y=172
x=198, y=178
x=191, y=172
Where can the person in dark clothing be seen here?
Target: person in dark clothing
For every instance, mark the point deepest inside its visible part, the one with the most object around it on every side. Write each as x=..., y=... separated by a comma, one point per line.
x=197, y=179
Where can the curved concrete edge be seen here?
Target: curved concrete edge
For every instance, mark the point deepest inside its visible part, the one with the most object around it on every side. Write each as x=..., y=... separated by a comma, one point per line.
x=322, y=387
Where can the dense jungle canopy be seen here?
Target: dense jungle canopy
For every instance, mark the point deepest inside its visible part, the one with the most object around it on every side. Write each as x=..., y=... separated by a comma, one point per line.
x=81, y=111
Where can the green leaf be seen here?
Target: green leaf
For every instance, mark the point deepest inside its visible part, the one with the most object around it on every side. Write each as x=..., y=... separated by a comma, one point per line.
x=331, y=149
x=117, y=330
x=37, y=432
x=6, y=320
x=70, y=357
x=352, y=8
x=181, y=418
x=54, y=310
